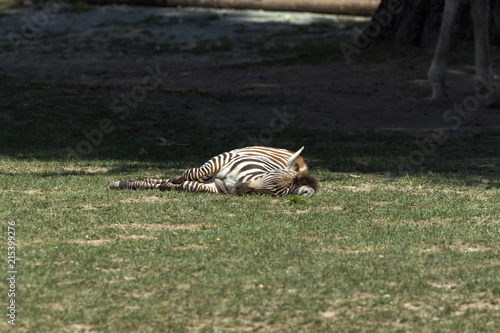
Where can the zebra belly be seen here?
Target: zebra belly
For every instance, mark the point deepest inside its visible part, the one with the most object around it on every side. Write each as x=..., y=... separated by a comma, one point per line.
x=227, y=177
x=225, y=185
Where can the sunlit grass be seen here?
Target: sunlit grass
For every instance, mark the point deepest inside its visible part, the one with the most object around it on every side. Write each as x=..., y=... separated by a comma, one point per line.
x=373, y=251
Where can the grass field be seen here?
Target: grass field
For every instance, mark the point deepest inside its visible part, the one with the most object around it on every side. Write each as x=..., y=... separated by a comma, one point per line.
x=375, y=250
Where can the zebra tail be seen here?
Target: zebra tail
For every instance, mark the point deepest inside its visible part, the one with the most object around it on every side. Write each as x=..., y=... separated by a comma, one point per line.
x=146, y=184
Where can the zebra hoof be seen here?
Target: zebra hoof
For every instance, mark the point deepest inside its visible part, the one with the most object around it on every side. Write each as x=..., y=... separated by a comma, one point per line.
x=493, y=104
x=118, y=185
x=442, y=102
x=177, y=180
x=164, y=187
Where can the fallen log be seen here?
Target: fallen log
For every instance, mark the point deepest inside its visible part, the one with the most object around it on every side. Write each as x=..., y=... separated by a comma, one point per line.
x=343, y=7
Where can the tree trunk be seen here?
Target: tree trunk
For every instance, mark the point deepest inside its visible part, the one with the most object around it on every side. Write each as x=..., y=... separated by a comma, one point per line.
x=417, y=22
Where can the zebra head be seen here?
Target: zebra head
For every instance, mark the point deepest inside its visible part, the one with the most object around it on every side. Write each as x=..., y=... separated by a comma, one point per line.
x=280, y=182
x=292, y=180
x=305, y=185
x=302, y=184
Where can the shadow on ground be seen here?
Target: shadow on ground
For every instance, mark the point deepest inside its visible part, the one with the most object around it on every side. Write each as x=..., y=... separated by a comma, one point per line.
x=116, y=93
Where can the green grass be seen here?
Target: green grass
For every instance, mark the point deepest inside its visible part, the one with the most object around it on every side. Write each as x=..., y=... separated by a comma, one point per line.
x=270, y=44
x=81, y=6
x=373, y=251
x=222, y=44
x=10, y=4
x=299, y=46
x=313, y=40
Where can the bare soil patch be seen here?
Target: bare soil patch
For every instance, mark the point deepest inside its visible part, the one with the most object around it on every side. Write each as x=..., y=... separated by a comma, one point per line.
x=477, y=305
x=99, y=242
x=149, y=198
x=344, y=250
x=154, y=226
x=190, y=247
x=93, y=242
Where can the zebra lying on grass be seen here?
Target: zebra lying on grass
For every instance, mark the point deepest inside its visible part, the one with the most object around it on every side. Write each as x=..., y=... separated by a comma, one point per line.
x=251, y=170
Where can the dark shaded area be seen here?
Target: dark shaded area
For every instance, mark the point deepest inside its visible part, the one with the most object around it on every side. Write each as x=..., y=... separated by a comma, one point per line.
x=417, y=22
x=365, y=117
x=54, y=126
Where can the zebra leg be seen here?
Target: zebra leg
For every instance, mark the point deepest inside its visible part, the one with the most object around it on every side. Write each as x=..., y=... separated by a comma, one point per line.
x=484, y=71
x=190, y=186
x=146, y=184
x=206, y=171
x=437, y=70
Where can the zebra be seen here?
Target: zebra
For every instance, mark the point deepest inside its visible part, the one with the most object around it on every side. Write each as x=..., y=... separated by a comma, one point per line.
x=250, y=170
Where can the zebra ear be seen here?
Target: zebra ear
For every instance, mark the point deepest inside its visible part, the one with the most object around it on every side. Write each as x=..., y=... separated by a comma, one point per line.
x=295, y=160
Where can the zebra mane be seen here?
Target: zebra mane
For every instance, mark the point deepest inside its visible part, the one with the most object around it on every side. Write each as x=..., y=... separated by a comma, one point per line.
x=305, y=179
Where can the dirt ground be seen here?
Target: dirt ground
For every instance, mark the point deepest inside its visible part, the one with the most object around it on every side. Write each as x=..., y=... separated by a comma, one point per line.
x=253, y=58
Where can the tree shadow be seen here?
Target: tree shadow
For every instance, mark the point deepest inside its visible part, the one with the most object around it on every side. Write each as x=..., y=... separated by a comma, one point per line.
x=368, y=117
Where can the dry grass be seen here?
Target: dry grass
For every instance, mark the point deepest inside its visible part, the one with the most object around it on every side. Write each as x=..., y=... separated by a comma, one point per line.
x=158, y=227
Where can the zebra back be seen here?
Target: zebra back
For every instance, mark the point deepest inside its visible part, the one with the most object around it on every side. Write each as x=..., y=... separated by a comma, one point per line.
x=254, y=169
x=281, y=156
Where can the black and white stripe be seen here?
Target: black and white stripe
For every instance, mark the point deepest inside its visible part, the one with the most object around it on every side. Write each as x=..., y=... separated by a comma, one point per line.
x=256, y=169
